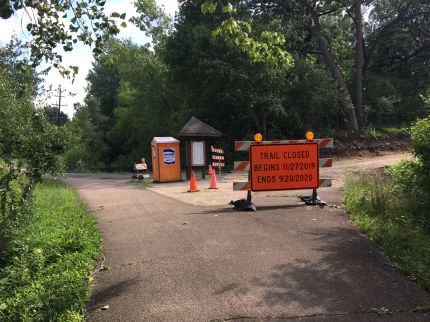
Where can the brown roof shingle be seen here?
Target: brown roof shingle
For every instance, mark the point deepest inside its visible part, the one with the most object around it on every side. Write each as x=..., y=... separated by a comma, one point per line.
x=195, y=127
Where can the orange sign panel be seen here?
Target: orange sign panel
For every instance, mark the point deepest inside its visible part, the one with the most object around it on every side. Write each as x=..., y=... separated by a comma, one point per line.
x=284, y=166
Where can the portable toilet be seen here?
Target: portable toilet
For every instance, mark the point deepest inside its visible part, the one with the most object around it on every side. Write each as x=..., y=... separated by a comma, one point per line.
x=166, y=159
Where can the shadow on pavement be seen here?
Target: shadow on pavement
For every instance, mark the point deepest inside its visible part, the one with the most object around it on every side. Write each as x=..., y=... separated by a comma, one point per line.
x=351, y=276
x=103, y=296
x=229, y=209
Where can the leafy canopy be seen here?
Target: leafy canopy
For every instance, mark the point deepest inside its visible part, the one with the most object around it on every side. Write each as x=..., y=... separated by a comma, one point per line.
x=59, y=23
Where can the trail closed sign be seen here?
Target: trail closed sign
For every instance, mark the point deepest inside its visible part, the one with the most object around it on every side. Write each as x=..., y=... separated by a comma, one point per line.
x=284, y=166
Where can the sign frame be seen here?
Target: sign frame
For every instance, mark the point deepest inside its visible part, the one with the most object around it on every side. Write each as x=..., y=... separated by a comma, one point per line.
x=258, y=145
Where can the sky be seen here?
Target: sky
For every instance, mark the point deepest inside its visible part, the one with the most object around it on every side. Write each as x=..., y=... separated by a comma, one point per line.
x=81, y=55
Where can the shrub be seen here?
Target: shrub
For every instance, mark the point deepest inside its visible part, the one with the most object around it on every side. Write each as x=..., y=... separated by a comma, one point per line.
x=12, y=187
x=420, y=140
x=393, y=209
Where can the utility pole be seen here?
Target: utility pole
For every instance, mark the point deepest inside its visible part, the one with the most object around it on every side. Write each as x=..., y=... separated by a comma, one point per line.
x=60, y=94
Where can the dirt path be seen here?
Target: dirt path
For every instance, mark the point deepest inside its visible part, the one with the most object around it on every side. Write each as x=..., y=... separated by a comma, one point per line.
x=172, y=261
x=342, y=167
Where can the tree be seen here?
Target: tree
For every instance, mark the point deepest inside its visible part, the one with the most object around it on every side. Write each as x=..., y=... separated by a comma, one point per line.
x=218, y=83
x=63, y=23
x=153, y=20
x=26, y=137
x=388, y=18
x=51, y=114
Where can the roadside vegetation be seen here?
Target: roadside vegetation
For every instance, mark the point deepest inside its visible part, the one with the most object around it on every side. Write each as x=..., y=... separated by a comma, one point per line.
x=48, y=242
x=45, y=271
x=393, y=207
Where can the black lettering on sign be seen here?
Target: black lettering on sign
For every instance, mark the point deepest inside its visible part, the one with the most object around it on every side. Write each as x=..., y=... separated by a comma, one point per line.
x=296, y=178
x=266, y=179
x=266, y=167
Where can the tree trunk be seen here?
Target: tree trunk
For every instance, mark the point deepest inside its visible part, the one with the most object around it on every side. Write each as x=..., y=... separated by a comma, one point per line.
x=337, y=75
x=359, y=62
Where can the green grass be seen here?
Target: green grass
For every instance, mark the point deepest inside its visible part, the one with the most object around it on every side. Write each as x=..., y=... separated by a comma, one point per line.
x=45, y=272
x=142, y=182
x=384, y=133
x=395, y=215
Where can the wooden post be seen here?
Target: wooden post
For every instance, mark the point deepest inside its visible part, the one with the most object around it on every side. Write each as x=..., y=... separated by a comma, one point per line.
x=188, y=160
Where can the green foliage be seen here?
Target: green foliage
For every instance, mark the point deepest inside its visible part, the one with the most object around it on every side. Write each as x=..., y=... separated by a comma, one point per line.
x=12, y=189
x=267, y=48
x=52, y=115
x=152, y=20
x=393, y=209
x=420, y=140
x=27, y=138
x=85, y=22
x=52, y=248
x=136, y=93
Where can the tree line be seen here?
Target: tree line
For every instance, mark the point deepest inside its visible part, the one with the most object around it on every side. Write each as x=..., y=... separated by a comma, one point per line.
x=278, y=67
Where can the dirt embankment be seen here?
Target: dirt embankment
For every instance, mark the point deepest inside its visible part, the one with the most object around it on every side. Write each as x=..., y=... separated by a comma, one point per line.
x=360, y=146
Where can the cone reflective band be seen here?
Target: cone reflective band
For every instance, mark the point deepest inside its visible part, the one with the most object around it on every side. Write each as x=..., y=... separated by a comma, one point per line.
x=284, y=166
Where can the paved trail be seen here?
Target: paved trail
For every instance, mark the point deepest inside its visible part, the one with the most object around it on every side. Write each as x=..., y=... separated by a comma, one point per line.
x=170, y=261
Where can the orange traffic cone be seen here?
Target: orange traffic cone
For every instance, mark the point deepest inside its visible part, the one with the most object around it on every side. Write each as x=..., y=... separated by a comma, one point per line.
x=193, y=183
x=213, y=181
x=210, y=169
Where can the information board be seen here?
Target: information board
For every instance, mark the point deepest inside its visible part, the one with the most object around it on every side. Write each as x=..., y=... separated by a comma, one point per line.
x=198, y=153
x=284, y=166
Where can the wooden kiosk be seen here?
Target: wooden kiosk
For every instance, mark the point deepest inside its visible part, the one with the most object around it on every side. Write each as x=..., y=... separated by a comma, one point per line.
x=196, y=134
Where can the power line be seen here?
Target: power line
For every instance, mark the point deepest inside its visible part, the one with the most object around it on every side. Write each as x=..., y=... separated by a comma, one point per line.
x=60, y=95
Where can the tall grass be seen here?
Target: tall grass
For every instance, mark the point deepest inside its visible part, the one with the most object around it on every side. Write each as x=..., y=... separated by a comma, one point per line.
x=45, y=273
x=393, y=209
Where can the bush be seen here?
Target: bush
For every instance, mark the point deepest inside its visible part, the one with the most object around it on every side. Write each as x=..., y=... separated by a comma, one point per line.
x=12, y=189
x=420, y=140
x=393, y=209
x=52, y=248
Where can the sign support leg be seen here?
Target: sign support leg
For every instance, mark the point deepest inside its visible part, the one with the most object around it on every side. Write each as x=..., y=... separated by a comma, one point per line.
x=249, y=196
x=313, y=200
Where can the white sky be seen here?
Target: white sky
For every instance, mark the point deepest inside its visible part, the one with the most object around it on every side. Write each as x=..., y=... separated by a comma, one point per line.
x=81, y=55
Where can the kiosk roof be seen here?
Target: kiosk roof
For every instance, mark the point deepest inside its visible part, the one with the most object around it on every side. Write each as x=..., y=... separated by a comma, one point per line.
x=197, y=128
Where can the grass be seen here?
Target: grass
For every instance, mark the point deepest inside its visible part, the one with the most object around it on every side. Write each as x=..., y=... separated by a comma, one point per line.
x=45, y=272
x=145, y=183
x=395, y=216
x=385, y=133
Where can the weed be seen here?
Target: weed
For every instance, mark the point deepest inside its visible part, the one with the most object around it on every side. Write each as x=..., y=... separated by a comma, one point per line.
x=392, y=209
x=145, y=183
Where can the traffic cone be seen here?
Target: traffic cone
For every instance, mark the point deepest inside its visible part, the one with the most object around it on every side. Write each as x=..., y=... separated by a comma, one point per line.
x=210, y=169
x=193, y=183
x=213, y=181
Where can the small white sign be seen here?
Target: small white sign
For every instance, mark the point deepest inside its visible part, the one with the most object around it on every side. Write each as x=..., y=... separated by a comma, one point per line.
x=198, y=153
x=140, y=166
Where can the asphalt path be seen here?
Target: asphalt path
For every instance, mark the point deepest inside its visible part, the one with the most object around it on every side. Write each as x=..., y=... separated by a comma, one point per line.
x=170, y=261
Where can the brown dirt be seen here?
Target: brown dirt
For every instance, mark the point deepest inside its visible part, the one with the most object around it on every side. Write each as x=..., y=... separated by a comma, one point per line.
x=361, y=146
x=342, y=167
